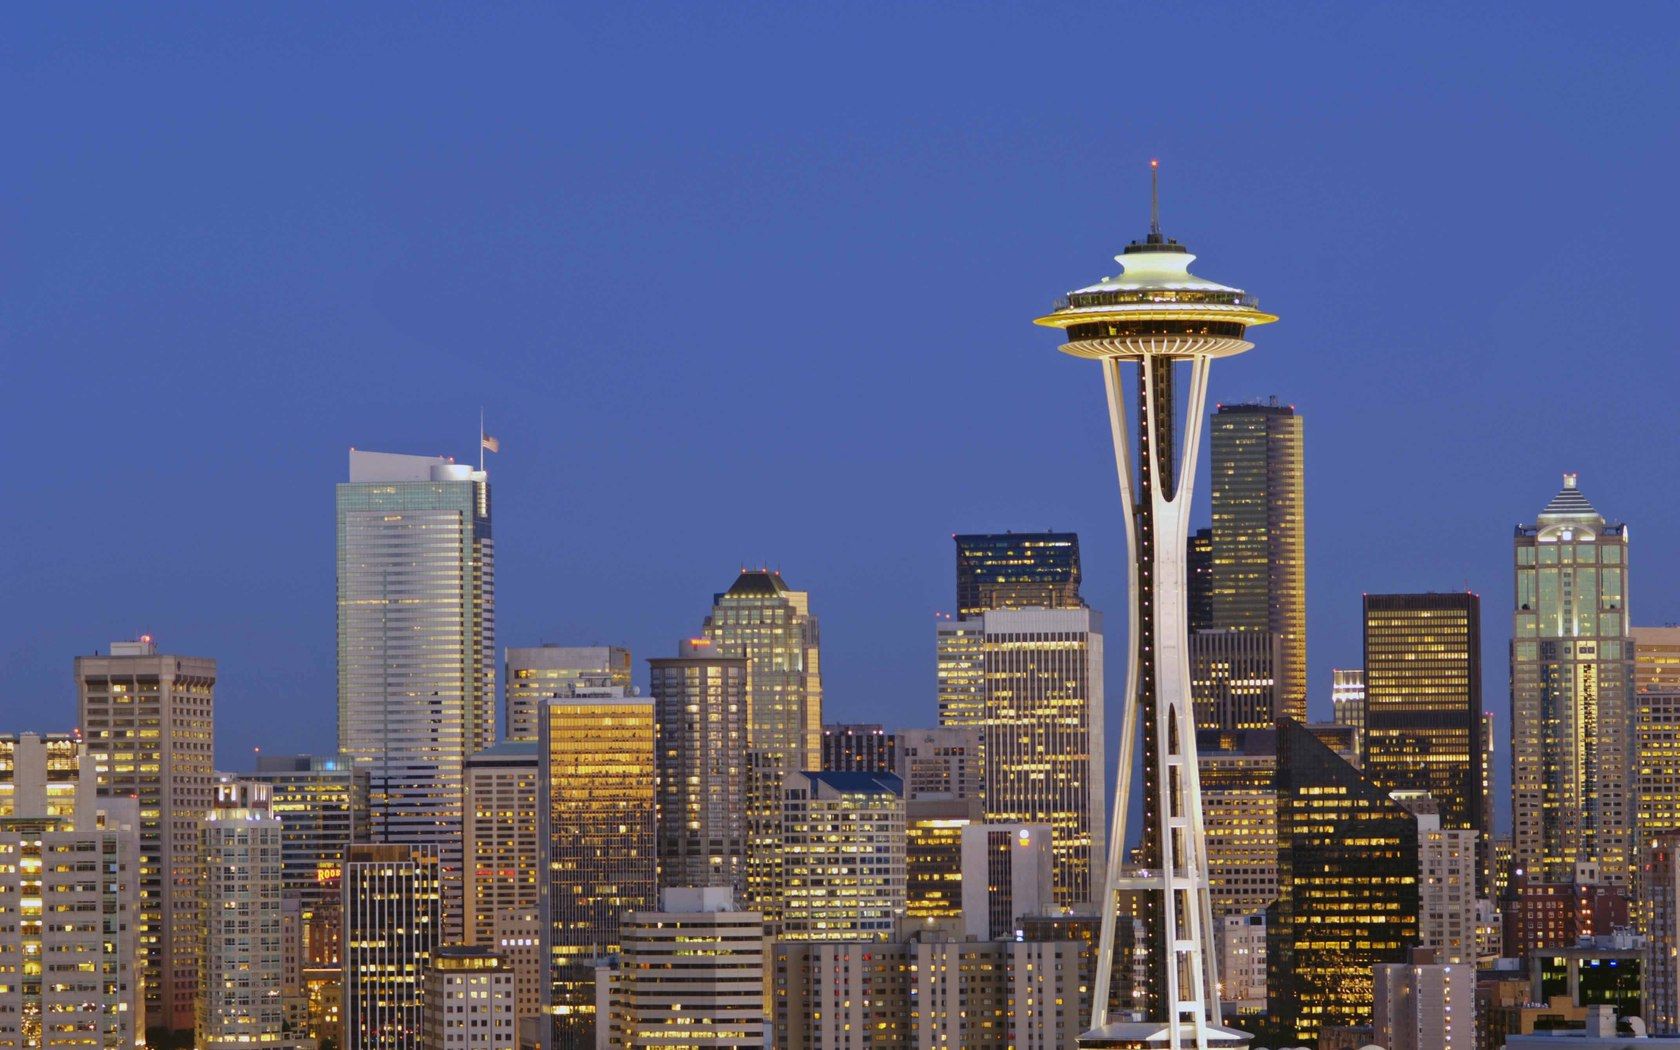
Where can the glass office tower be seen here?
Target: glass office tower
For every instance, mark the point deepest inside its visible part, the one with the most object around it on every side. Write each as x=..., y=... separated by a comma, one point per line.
x=1017, y=570
x=1347, y=889
x=596, y=840
x=1423, y=700
x=1259, y=536
x=1572, y=658
x=416, y=645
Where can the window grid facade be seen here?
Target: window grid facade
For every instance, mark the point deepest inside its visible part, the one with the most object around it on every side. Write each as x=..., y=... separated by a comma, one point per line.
x=597, y=834
x=701, y=706
x=148, y=721
x=1571, y=694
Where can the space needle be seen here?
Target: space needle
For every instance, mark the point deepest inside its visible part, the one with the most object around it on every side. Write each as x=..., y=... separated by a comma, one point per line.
x=1158, y=316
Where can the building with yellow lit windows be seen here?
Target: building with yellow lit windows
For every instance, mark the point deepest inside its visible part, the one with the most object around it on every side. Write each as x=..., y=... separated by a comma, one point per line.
x=842, y=856
x=1031, y=681
x=469, y=1001
x=542, y=672
x=501, y=864
x=242, y=980
x=700, y=701
x=1423, y=701
x=1656, y=729
x=691, y=975
x=148, y=721
x=1572, y=667
x=69, y=902
x=596, y=841
x=416, y=645
x=1347, y=889
x=1259, y=576
x=767, y=623
x=393, y=915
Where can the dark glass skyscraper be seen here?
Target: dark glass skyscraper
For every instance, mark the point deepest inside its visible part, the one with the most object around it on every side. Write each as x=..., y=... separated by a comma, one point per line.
x=1017, y=570
x=1198, y=579
x=1259, y=575
x=1423, y=700
x=859, y=747
x=1347, y=888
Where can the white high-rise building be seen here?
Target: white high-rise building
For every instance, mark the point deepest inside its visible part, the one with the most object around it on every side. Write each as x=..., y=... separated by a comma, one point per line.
x=691, y=974
x=242, y=977
x=1031, y=680
x=1242, y=963
x=148, y=720
x=1425, y=1006
x=69, y=902
x=469, y=1001
x=1447, y=903
x=502, y=863
x=1008, y=871
x=416, y=645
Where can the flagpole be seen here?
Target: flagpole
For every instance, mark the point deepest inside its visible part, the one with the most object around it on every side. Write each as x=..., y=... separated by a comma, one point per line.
x=481, y=439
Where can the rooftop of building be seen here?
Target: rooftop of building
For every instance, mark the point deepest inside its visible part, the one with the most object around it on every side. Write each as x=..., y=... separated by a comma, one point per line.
x=856, y=783
x=508, y=751
x=758, y=583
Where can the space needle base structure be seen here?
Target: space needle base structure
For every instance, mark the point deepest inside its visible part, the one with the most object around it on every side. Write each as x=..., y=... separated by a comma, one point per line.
x=1163, y=319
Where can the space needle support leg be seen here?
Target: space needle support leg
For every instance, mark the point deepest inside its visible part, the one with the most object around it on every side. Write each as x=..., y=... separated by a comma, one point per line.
x=1113, y=383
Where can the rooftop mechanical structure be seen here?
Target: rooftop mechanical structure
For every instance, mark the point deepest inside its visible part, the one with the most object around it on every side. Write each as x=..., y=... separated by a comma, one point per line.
x=1159, y=316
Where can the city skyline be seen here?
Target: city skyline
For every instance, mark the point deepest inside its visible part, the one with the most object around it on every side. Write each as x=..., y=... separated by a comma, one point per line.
x=327, y=319
x=1286, y=701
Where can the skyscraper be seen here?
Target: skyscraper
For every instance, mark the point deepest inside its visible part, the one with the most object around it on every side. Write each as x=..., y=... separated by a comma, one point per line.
x=393, y=911
x=501, y=864
x=241, y=978
x=1198, y=579
x=940, y=765
x=1347, y=888
x=1656, y=729
x=693, y=973
x=321, y=802
x=1660, y=893
x=763, y=621
x=1031, y=681
x=1425, y=1006
x=1423, y=700
x=859, y=748
x=1571, y=693
x=596, y=836
x=1234, y=678
x=469, y=1001
x=842, y=856
x=1259, y=536
x=767, y=623
x=69, y=940
x=542, y=672
x=700, y=703
x=1007, y=873
x=416, y=645
x=1347, y=698
x=1017, y=570
x=148, y=721
x=1239, y=811
x=1156, y=315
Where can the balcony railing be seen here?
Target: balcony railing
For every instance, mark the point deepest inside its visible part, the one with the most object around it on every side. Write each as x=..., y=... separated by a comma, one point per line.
x=1128, y=298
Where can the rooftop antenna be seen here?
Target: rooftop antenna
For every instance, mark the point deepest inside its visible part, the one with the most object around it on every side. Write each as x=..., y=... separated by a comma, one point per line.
x=1154, y=199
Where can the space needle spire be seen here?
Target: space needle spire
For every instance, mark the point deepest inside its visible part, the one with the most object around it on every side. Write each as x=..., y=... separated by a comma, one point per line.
x=1159, y=316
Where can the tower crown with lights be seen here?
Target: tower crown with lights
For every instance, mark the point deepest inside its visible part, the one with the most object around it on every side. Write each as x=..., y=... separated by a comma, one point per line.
x=1155, y=306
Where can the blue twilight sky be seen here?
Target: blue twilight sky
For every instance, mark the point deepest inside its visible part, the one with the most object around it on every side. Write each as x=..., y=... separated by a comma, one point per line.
x=751, y=283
